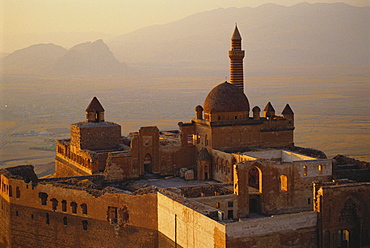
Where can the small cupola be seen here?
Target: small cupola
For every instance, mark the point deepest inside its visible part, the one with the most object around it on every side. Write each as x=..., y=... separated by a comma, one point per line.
x=199, y=112
x=95, y=111
x=256, y=113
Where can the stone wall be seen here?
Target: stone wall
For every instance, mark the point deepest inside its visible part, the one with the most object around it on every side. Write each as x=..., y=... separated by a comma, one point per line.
x=184, y=227
x=110, y=219
x=291, y=230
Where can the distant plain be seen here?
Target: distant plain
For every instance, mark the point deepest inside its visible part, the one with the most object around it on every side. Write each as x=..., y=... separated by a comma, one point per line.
x=331, y=109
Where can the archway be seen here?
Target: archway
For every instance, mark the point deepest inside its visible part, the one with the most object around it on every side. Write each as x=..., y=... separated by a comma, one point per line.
x=147, y=163
x=255, y=178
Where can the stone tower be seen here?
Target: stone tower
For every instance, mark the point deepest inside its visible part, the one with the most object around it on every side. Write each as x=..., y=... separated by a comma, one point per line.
x=236, y=55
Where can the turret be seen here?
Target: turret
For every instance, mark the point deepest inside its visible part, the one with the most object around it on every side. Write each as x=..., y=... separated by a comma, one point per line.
x=256, y=113
x=95, y=111
x=199, y=112
x=288, y=114
x=269, y=111
x=236, y=55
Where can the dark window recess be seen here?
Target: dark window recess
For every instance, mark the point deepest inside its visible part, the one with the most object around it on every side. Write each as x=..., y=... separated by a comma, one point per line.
x=54, y=204
x=112, y=215
x=16, y=213
x=17, y=192
x=65, y=221
x=74, y=207
x=230, y=204
x=47, y=219
x=230, y=214
x=10, y=191
x=84, y=208
x=44, y=197
x=64, y=205
x=84, y=224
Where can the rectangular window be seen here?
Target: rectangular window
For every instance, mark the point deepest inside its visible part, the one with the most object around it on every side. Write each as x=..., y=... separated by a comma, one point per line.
x=230, y=204
x=217, y=205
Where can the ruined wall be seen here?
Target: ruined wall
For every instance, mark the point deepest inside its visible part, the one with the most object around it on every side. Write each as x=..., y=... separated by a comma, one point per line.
x=85, y=219
x=228, y=204
x=172, y=160
x=181, y=226
x=284, y=187
x=291, y=230
x=222, y=168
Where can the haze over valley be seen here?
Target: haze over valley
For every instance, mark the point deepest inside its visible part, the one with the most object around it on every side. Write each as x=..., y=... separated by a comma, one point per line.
x=313, y=56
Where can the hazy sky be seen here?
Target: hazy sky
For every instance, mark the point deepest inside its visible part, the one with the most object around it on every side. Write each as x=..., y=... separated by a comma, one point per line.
x=115, y=17
x=112, y=16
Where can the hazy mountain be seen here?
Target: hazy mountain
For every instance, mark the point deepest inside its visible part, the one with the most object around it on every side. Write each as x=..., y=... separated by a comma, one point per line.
x=273, y=36
x=90, y=58
x=12, y=43
x=33, y=59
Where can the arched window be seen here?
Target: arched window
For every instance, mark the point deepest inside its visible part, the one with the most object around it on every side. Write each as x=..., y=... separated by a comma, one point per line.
x=84, y=208
x=283, y=183
x=255, y=178
x=74, y=207
x=304, y=170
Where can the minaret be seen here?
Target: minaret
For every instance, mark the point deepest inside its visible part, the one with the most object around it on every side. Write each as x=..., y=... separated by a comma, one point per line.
x=236, y=55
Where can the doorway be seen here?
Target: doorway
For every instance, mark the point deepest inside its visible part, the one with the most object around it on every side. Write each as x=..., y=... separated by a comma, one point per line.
x=148, y=164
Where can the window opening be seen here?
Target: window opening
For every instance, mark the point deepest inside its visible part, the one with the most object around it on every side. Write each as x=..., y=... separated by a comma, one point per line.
x=319, y=168
x=84, y=224
x=283, y=183
x=230, y=214
x=64, y=205
x=84, y=208
x=17, y=192
x=54, y=204
x=65, y=221
x=74, y=207
x=43, y=196
x=112, y=215
x=304, y=170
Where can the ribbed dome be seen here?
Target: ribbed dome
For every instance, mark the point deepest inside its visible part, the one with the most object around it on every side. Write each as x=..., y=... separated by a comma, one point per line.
x=226, y=97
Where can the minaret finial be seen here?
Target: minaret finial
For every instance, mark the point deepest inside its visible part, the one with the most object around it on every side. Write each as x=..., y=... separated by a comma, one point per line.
x=236, y=55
